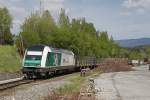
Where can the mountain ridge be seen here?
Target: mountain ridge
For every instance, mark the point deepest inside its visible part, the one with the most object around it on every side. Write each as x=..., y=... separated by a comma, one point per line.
x=130, y=43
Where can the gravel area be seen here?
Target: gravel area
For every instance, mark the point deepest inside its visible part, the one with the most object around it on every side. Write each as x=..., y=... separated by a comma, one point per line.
x=32, y=91
x=9, y=75
x=132, y=85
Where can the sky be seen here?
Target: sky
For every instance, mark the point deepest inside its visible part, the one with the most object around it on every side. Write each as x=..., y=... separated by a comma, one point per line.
x=122, y=19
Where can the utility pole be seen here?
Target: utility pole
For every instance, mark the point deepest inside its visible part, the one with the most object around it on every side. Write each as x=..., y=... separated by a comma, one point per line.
x=21, y=45
x=41, y=7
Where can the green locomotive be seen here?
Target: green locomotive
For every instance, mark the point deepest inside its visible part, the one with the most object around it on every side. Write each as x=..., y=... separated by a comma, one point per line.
x=43, y=61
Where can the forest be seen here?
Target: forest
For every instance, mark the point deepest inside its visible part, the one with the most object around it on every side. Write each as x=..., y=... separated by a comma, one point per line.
x=75, y=34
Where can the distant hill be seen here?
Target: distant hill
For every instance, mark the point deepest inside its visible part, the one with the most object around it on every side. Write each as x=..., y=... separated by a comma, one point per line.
x=130, y=43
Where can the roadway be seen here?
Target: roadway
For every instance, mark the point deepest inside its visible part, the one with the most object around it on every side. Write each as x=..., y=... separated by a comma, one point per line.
x=131, y=85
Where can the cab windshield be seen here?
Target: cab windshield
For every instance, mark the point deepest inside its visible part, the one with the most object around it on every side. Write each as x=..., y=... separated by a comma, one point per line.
x=32, y=60
x=33, y=57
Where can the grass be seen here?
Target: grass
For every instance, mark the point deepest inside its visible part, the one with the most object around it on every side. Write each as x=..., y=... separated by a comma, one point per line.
x=76, y=83
x=73, y=87
x=9, y=59
x=95, y=73
x=71, y=90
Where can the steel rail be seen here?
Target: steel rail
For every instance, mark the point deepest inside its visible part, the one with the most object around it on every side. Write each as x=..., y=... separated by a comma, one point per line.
x=13, y=83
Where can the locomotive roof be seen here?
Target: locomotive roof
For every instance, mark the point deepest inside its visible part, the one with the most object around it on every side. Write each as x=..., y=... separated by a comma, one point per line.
x=36, y=48
x=41, y=48
x=61, y=50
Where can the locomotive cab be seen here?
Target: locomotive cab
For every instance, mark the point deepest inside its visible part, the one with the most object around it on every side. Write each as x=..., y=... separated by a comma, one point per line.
x=32, y=61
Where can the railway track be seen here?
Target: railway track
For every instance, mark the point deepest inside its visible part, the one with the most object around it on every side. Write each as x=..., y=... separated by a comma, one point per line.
x=6, y=84
x=12, y=83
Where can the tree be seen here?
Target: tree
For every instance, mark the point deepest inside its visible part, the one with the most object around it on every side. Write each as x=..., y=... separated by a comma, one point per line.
x=5, y=25
x=42, y=26
x=64, y=22
x=147, y=50
x=77, y=35
x=135, y=54
x=31, y=23
x=47, y=27
x=30, y=30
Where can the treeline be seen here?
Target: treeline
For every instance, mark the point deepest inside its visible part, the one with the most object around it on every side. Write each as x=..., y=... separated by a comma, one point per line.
x=140, y=52
x=74, y=34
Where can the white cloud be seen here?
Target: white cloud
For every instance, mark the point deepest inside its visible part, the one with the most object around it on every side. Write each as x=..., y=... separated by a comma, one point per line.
x=16, y=1
x=136, y=3
x=17, y=22
x=53, y=5
x=14, y=7
x=19, y=9
x=136, y=6
x=125, y=13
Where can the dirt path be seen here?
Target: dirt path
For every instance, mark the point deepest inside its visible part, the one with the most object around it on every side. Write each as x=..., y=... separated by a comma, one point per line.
x=133, y=85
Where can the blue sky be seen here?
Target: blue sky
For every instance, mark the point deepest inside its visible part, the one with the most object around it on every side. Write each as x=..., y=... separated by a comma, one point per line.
x=123, y=19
